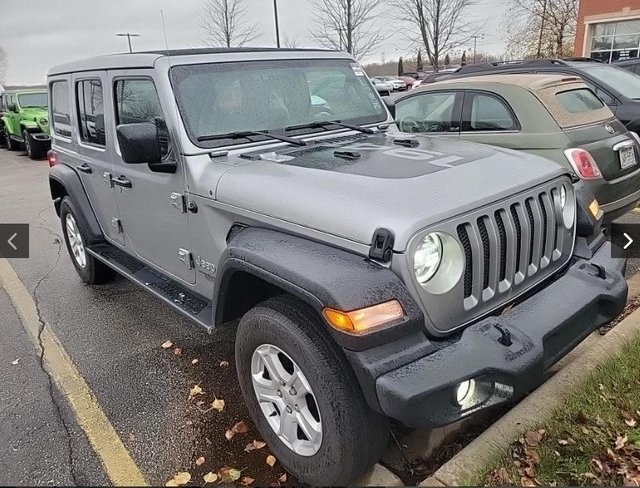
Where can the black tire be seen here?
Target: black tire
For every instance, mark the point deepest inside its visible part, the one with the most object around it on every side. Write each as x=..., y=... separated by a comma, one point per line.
x=94, y=272
x=10, y=143
x=3, y=142
x=34, y=148
x=353, y=436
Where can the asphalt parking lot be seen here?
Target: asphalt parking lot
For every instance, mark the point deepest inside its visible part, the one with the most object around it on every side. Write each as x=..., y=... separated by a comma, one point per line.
x=113, y=336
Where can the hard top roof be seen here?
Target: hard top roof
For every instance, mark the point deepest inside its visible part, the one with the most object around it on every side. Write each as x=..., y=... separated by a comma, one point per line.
x=147, y=59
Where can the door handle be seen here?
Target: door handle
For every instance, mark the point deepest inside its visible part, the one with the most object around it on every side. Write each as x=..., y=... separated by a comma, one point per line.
x=122, y=182
x=84, y=168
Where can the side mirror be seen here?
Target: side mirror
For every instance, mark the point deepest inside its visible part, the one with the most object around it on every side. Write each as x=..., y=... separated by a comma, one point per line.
x=139, y=143
x=391, y=105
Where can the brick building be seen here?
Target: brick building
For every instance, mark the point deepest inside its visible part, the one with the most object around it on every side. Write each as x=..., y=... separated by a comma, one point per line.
x=608, y=30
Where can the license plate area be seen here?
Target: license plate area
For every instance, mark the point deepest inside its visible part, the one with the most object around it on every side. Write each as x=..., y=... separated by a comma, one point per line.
x=627, y=157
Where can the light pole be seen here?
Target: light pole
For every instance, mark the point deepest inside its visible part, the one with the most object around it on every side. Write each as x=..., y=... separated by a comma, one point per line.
x=129, y=35
x=475, y=45
x=275, y=13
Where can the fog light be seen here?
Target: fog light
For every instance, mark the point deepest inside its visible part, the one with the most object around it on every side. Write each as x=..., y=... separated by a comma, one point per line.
x=465, y=391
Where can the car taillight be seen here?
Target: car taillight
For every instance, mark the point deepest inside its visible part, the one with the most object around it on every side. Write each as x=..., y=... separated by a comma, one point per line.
x=583, y=164
x=52, y=157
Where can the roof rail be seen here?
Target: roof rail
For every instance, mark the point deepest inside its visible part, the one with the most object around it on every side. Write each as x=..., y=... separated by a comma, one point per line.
x=582, y=59
x=471, y=68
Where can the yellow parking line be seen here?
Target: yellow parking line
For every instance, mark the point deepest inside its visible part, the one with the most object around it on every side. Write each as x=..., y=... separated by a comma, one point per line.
x=115, y=457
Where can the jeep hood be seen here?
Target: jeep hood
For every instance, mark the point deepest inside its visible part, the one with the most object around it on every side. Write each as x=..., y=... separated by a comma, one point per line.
x=351, y=186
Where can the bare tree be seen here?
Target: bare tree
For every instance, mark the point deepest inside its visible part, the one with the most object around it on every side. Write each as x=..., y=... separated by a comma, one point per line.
x=225, y=23
x=3, y=65
x=438, y=25
x=544, y=28
x=348, y=25
x=291, y=42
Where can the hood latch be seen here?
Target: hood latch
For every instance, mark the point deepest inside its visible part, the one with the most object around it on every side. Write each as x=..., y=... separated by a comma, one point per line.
x=381, y=245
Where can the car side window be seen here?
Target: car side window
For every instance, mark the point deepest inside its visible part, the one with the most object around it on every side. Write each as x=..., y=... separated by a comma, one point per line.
x=137, y=101
x=91, y=112
x=60, y=108
x=485, y=112
x=427, y=112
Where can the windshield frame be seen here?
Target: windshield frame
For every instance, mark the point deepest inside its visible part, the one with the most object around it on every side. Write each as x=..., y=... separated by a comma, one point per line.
x=375, y=119
x=606, y=81
x=26, y=94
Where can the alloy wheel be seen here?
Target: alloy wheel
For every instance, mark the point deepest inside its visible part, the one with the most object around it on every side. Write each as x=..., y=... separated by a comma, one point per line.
x=75, y=241
x=286, y=399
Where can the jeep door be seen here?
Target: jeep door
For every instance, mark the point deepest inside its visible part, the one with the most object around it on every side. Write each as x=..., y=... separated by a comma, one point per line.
x=433, y=112
x=85, y=147
x=151, y=202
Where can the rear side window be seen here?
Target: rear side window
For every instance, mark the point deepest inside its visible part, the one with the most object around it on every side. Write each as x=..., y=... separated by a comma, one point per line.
x=578, y=101
x=60, y=108
x=91, y=112
x=488, y=113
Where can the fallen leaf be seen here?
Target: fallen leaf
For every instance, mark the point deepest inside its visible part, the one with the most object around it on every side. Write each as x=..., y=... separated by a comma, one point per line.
x=631, y=422
x=228, y=474
x=194, y=361
x=196, y=390
x=534, y=457
x=218, y=404
x=283, y=478
x=533, y=438
x=167, y=345
x=563, y=442
x=271, y=460
x=177, y=351
x=229, y=434
x=502, y=476
x=585, y=431
x=246, y=480
x=181, y=478
x=210, y=477
x=132, y=438
x=252, y=446
x=529, y=471
x=241, y=427
x=524, y=481
x=15, y=361
x=200, y=461
x=224, y=364
x=620, y=442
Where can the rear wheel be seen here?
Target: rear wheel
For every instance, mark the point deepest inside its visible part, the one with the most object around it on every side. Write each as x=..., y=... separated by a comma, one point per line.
x=91, y=270
x=10, y=143
x=304, y=397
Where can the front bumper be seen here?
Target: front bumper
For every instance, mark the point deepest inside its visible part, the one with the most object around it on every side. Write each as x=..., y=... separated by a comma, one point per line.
x=542, y=329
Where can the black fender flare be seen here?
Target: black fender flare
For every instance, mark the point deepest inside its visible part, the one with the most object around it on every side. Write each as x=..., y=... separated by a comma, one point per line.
x=63, y=176
x=320, y=275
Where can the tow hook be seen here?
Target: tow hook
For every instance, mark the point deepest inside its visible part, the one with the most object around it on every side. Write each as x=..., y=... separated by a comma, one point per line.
x=505, y=336
x=600, y=271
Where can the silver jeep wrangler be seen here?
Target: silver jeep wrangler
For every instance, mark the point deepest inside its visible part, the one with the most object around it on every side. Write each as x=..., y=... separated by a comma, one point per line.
x=375, y=275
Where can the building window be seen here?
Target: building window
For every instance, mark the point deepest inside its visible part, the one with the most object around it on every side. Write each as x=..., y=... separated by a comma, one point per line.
x=616, y=41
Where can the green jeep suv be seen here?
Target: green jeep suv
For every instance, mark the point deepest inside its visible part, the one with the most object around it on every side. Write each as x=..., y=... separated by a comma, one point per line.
x=25, y=122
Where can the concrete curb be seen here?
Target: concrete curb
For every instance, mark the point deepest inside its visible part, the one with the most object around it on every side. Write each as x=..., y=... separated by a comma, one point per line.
x=534, y=409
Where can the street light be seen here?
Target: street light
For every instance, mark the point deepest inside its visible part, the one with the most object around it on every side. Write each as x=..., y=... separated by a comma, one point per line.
x=275, y=13
x=128, y=35
x=475, y=45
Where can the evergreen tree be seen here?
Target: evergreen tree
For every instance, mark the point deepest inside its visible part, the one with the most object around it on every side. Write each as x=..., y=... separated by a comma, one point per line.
x=463, y=61
x=447, y=60
x=419, y=61
x=400, y=67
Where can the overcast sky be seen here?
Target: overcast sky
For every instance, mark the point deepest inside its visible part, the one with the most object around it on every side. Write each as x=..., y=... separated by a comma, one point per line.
x=39, y=34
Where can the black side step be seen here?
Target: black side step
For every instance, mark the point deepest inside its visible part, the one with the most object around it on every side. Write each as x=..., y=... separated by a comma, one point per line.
x=169, y=291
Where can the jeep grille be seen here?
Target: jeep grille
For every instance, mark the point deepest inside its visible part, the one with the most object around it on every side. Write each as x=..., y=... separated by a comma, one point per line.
x=508, y=247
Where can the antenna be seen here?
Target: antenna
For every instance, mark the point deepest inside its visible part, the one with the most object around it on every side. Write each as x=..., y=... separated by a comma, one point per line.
x=164, y=31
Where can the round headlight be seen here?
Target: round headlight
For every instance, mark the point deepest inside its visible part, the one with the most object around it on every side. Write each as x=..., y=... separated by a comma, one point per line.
x=427, y=257
x=568, y=205
x=43, y=121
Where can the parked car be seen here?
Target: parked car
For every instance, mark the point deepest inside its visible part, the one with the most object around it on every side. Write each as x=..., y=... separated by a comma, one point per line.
x=382, y=87
x=25, y=122
x=554, y=116
x=374, y=277
x=397, y=83
x=619, y=89
x=411, y=82
x=632, y=65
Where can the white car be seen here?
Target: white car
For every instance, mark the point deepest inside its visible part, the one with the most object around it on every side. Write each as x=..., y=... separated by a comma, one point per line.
x=396, y=83
x=381, y=86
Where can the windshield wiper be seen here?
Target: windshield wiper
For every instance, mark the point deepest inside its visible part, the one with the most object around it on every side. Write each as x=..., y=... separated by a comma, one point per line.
x=248, y=133
x=324, y=123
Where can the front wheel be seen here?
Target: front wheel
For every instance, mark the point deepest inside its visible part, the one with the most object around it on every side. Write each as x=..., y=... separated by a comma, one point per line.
x=34, y=148
x=304, y=397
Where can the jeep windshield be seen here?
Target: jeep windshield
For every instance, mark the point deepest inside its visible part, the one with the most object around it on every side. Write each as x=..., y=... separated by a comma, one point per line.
x=33, y=100
x=221, y=99
x=625, y=82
